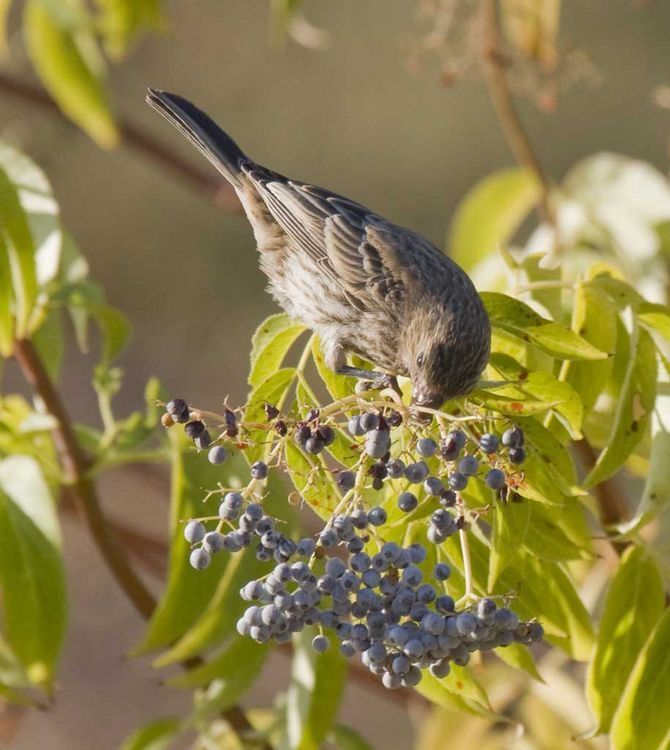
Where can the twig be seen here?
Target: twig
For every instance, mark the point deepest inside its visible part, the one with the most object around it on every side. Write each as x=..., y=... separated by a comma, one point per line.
x=217, y=190
x=80, y=487
x=83, y=494
x=495, y=73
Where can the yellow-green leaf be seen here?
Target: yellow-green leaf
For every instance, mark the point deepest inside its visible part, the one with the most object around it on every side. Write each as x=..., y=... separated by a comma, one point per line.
x=57, y=52
x=634, y=603
x=641, y=721
x=490, y=213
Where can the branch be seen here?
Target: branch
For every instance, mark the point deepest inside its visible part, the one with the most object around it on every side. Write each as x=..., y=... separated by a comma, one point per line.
x=83, y=494
x=612, y=505
x=495, y=74
x=217, y=190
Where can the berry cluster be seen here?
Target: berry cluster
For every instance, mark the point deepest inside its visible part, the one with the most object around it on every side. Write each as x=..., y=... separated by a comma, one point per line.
x=377, y=606
x=370, y=592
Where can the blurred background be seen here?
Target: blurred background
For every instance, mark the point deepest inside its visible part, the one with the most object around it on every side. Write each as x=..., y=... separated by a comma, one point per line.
x=377, y=116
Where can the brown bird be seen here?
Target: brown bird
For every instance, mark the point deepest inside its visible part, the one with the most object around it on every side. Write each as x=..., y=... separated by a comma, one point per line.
x=363, y=284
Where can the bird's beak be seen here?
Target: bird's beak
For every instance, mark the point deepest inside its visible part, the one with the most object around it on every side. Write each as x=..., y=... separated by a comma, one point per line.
x=430, y=401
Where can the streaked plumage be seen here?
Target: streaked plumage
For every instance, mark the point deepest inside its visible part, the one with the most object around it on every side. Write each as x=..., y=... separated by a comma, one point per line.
x=362, y=283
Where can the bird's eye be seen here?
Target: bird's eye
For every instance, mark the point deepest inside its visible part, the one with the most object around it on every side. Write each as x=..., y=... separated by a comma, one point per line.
x=420, y=360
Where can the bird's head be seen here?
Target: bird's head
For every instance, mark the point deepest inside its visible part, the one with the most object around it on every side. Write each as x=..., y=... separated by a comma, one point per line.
x=445, y=353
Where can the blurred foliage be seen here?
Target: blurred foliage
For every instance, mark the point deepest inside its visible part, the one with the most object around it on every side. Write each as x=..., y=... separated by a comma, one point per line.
x=581, y=337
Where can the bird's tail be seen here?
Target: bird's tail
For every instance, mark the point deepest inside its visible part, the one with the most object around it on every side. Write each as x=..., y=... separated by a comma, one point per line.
x=202, y=131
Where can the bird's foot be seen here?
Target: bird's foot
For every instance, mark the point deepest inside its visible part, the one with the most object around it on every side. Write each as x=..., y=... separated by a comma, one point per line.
x=371, y=380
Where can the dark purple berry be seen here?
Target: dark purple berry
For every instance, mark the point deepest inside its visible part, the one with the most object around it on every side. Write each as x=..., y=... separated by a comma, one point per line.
x=193, y=429
x=517, y=455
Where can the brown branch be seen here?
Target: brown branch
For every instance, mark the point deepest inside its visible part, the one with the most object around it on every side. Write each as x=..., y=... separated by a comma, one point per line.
x=612, y=505
x=216, y=189
x=495, y=73
x=83, y=494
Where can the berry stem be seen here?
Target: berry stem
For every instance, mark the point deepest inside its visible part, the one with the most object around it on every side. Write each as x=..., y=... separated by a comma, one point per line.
x=465, y=551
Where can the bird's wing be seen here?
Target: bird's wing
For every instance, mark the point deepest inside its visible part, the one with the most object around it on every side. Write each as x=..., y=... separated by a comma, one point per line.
x=365, y=255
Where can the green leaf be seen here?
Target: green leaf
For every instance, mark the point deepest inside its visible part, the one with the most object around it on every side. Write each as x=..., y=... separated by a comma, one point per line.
x=6, y=315
x=32, y=576
x=312, y=480
x=490, y=213
x=270, y=345
x=115, y=330
x=656, y=493
x=459, y=690
x=635, y=601
x=218, y=619
x=123, y=20
x=519, y=657
x=594, y=318
x=187, y=591
x=542, y=386
x=18, y=244
x=235, y=670
x=517, y=318
x=157, y=735
x=633, y=411
x=346, y=738
x=49, y=342
x=59, y=54
x=656, y=317
x=272, y=390
x=315, y=692
x=641, y=721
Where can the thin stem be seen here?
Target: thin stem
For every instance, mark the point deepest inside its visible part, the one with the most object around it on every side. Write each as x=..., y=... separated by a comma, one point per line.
x=465, y=551
x=220, y=192
x=495, y=73
x=82, y=490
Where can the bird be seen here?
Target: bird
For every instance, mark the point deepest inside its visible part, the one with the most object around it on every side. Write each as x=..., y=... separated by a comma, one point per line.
x=364, y=284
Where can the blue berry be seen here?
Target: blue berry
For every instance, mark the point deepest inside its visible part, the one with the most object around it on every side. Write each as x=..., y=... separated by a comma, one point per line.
x=432, y=623
x=417, y=472
x=417, y=553
x=434, y=486
x=217, y=455
x=203, y=440
x=213, y=541
x=320, y=644
x=305, y=547
x=513, y=438
x=445, y=604
x=259, y=470
x=178, y=409
x=335, y=567
x=517, y=455
x=488, y=443
x=369, y=421
x=395, y=468
x=495, y=479
x=371, y=578
x=354, y=427
x=314, y=445
x=377, y=443
x=401, y=664
x=391, y=681
x=452, y=445
x=407, y=502
x=412, y=678
x=194, y=532
x=377, y=516
x=440, y=669
x=458, y=481
x=466, y=623
x=347, y=650
x=200, y=558
x=441, y=571
x=468, y=465
x=412, y=575
x=426, y=447
x=346, y=480
x=328, y=538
